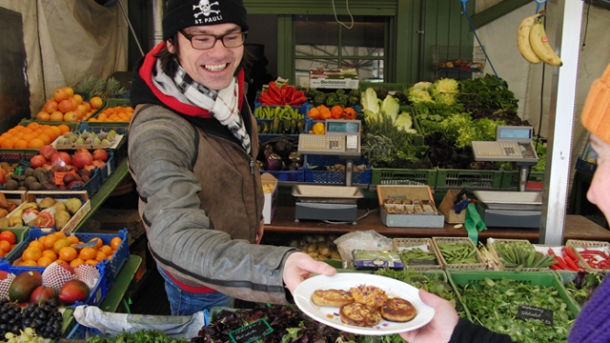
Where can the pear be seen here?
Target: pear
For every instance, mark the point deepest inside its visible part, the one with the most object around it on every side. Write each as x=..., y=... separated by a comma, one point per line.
x=73, y=205
x=61, y=219
x=60, y=206
x=46, y=202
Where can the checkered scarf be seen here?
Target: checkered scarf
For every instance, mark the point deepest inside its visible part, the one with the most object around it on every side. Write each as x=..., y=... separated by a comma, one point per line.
x=222, y=105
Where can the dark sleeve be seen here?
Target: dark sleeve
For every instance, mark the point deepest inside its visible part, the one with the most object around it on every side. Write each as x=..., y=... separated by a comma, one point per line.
x=466, y=332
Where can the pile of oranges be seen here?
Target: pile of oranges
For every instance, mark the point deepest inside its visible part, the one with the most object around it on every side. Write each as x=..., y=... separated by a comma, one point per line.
x=7, y=242
x=31, y=136
x=59, y=247
x=114, y=114
x=65, y=105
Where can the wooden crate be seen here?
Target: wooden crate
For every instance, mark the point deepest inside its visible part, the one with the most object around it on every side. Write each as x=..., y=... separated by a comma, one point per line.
x=595, y=245
x=494, y=252
x=470, y=266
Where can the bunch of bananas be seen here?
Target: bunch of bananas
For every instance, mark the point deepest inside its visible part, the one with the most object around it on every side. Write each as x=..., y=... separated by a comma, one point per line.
x=281, y=112
x=533, y=42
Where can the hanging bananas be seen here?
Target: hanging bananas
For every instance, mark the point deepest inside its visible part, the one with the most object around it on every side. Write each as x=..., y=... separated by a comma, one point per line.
x=542, y=48
x=533, y=43
x=523, y=39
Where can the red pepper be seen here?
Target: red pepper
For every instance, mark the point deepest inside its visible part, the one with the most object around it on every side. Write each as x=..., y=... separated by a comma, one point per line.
x=570, y=252
x=571, y=264
x=560, y=262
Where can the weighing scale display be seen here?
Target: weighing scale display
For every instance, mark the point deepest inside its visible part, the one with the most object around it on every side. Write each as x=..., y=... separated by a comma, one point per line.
x=342, y=126
x=514, y=133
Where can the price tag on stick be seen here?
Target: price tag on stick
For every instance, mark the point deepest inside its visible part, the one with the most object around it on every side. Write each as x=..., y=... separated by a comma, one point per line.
x=531, y=312
x=251, y=332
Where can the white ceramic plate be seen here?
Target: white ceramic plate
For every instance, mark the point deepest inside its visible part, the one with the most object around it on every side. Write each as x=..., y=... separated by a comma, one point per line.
x=330, y=315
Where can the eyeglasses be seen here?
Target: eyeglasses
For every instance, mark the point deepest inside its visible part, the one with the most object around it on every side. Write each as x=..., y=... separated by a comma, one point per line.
x=205, y=42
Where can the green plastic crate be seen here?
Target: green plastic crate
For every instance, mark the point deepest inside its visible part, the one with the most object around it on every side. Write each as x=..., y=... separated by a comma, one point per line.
x=476, y=179
x=460, y=278
x=510, y=179
x=389, y=176
x=21, y=234
x=566, y=276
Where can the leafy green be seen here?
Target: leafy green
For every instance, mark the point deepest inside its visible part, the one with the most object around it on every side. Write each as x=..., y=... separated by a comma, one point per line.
x=445, y=91
x=494, y=304
x=390, y=107
x=404, y=122
x=141, y=336
x=369, y=101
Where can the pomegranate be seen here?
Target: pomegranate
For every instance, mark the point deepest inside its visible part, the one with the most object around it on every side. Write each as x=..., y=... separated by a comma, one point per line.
x=47, y=151
x=100, y=154
x=82, y=158
x=61, y=159
x=37, y=161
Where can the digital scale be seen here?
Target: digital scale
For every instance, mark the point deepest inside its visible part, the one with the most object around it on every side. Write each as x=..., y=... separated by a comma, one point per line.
x=326, y=202
x=509, y=208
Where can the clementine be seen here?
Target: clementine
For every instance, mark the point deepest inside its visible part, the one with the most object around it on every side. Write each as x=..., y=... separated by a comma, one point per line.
x=67, y=254
x=31, y=254
x=60, y=94
x=115, y=243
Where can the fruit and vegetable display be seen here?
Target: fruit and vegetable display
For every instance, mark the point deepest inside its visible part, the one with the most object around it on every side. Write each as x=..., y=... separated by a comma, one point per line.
x=342, y=97
x=518, y=255
x=319, y=247
x=584, y=285
x=279, y=154
x=88, y=139
x=503, y=297
x=67, y=105
x=36, y=323
x=48, y=213
x=140, y=336
x=281, y=95
x=8, y=242
x=458, y=253
x=281, y=126
x=322, y=112
x=31, y=136
x=94, y=86
x=6, y=206
x=113, y=114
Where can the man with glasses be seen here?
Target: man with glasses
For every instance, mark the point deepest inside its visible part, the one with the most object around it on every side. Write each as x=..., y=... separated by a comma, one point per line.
x=192, y=151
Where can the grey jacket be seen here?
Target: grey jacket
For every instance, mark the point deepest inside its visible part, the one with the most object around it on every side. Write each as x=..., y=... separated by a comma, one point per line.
x=166, y=157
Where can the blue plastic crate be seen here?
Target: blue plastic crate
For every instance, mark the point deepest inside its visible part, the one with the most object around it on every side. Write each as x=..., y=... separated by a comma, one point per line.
x=109, y=167
x=287, y=175
x=314, y=173
x=111, y=266
x=96, y=295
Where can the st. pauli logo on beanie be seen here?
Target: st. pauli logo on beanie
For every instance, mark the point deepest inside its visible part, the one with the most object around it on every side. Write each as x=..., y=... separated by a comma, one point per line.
x=181, y=14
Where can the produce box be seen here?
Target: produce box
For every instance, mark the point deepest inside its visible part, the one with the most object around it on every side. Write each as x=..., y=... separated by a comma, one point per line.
x=270, y=197
x=399, y=204
x=330, y=169
x=460, y=178
x=462, y=278
x=480, y=265
x=580, y=285
x=510, y=179
x=37, y=196
x=389, y=176
x=21, y=235
x=96, y=294
x=581, y=246
x=494, y=252
x=404, y=244
x=101, y=125
x=559, y=252
x=112, y=266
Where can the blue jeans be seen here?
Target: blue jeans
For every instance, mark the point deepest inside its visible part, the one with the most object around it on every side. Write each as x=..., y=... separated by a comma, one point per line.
x=183, y=303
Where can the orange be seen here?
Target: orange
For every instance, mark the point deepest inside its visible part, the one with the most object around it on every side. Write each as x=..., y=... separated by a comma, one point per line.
x=99, y=242
x=70, y=116
x=77, y=262
x=115, y=243
x=73, y=239
x=57, y=130
x=28, y=263
x=49, y=240
x=100, y=256
x=91, y=262
x=2, y=253
x=36, y=143
x=44, y=138
x=6, y=246
x=31, y=254
x=67, y=254
x=36, y=244
x=69, y=90
x=66, y=106
x=21, y=144
x=96, y=102
x=64, y=128
x=57, y=116
x=8, y=236
x=78, y=98
x=7, y=144
x=50, y=106
x=106, y=249
x=49, y=253
x=60, y=243
x=87, y=253
x=44, y=261
x=60, y=94
x=43, y=115
x=59, y=234
x=60, y=261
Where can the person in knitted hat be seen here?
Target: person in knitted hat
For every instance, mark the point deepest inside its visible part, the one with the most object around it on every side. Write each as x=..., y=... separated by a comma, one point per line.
x=593, y=323
x=192, y=150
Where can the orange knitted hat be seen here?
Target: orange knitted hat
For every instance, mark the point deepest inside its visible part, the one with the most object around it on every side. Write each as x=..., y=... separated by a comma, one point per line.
x=596, y=113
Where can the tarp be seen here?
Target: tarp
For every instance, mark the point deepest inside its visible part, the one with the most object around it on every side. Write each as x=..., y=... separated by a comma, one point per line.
x=69, y=40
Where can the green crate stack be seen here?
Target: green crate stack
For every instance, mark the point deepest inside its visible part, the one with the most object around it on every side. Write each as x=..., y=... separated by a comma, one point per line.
x=389, y=176
x=510, y=179
x=479, y=179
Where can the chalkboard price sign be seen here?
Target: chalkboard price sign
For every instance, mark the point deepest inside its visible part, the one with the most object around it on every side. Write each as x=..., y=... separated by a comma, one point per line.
x=542, y=314
x=251, y=332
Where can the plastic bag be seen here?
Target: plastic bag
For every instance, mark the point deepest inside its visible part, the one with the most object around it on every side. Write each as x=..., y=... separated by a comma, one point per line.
x=364, y=240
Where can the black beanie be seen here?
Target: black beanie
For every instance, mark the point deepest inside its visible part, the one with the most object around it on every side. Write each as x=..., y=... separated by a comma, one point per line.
x=180, y=14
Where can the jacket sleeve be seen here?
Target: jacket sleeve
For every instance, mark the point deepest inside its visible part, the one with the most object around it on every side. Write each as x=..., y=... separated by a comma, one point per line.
x=467, y=332
x=161, y=154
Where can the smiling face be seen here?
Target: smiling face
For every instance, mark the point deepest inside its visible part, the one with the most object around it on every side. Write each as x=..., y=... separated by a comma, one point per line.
x=599, y=191
x=213, y=68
